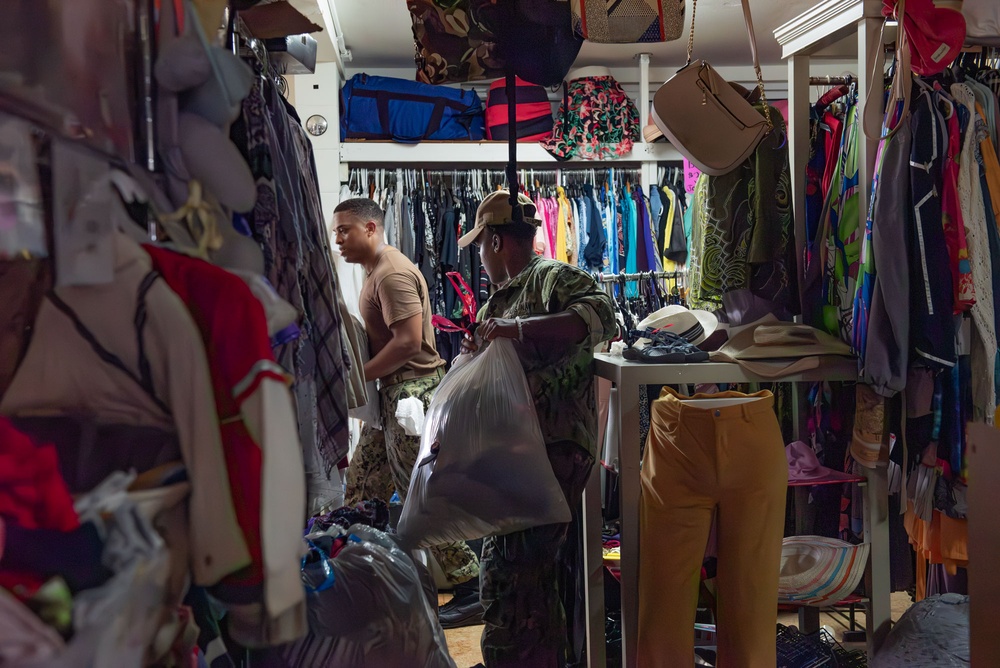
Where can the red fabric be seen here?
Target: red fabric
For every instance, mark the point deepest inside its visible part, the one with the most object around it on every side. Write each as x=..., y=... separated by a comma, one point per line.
x=935, y=34
x=33, y=495
x=533, y=107
x=954, y=224
x=234, y=329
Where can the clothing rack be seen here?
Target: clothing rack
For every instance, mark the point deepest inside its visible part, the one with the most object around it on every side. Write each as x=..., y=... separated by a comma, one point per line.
x=832, y=81
x=492, y=179
x=641, y=276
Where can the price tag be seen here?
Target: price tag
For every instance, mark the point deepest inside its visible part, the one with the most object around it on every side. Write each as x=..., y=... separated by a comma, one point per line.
x=691, y=174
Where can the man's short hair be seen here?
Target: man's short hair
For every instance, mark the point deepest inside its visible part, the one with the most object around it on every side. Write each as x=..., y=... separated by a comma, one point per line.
x=519, y=231
x=362, y=207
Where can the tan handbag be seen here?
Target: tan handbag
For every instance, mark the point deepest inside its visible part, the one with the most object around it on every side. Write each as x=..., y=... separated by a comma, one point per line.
x=705, y=118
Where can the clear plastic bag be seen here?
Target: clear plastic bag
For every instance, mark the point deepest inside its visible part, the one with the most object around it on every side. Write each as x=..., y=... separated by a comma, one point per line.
x=933, y=632
x=374, y=614
x=482, y=468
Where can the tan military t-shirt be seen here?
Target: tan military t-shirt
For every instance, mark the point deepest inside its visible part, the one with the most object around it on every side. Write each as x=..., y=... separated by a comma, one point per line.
x=393, y=292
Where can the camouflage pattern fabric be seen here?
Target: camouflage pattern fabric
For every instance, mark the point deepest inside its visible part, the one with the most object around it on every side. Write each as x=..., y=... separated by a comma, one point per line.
x=530, y=581
x=383, y=461
x=562, y=387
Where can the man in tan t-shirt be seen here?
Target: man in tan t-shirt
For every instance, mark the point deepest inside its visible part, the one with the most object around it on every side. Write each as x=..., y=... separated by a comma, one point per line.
x=396, y=310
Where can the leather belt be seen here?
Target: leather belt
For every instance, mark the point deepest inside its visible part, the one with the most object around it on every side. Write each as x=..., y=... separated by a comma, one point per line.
x=410, y=374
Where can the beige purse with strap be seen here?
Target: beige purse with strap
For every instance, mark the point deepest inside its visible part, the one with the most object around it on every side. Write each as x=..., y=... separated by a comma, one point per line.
x=705, y=118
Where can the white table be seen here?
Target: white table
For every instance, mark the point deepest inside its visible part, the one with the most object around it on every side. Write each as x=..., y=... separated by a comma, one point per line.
x=628, y=377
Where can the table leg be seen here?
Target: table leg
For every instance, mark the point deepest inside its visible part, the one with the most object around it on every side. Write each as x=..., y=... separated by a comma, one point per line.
x=877, y=580
x=593, y=567
x=628, y=425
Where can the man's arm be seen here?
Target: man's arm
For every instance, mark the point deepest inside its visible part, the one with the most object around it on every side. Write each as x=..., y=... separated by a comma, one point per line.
x=554, y=331
x=407, y=337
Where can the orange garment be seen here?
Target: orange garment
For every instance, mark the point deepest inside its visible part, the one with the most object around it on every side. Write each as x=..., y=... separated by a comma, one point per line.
x=943, y=540
x=727, y=462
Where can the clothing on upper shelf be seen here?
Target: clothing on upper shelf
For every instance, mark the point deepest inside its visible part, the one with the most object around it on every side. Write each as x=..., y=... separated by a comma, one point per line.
x=596, y=120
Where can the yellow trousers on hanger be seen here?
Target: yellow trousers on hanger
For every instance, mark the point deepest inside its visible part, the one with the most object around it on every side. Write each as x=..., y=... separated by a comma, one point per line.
x=728, y=462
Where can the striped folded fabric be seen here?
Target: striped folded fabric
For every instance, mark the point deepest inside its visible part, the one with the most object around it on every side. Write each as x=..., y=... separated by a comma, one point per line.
x=533, y=113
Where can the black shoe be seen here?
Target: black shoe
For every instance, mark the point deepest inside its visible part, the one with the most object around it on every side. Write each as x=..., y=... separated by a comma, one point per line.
x=457, y=613
x=464, y=609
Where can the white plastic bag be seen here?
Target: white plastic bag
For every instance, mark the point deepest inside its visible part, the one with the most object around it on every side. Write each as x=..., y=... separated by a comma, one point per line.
x=410, y=416
x=482, y=468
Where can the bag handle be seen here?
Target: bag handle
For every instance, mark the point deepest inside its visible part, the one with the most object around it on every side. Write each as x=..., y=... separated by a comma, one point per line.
x=902, y=81
x=748, y=21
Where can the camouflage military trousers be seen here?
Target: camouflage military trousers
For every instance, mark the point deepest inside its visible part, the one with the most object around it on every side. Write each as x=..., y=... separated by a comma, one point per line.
x=532, y=581
x=383, y=462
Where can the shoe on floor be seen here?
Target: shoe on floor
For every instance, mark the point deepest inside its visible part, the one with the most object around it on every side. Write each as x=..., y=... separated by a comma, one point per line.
x=459, y=612
x=464, y=609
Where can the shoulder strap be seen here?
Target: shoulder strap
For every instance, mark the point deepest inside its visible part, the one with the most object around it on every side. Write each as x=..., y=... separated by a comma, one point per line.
x=144, y=380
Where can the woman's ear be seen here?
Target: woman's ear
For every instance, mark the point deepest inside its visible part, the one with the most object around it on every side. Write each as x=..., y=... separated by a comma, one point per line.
x=497, y=242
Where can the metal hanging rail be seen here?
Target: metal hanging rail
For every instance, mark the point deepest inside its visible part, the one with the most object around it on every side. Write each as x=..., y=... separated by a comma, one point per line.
x=641, y=276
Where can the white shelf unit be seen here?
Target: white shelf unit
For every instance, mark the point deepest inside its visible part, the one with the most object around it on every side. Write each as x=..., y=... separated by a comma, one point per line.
x=803, y=41
x=484, y=152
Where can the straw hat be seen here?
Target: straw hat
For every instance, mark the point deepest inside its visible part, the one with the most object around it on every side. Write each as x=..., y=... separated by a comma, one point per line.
x=820, y=571
x=692, y=325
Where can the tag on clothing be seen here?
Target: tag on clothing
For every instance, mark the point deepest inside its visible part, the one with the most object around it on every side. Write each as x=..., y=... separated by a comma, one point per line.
x=83, y=226
x=691, y=174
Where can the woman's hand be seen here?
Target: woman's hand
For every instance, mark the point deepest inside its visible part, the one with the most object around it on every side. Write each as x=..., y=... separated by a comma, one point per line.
x=496, y=328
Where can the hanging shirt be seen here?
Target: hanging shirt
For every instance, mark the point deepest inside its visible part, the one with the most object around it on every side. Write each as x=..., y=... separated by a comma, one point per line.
x=676, y=250
x=583, y=229
x=259, y=436
x=571, y=233
x=984, y=339
x=932, y=329
x=610, y=230
x=62, y=374
x=562, y=226
x=669, y=220
x=595, y=252
x=647, y=228
x=952, y=219
x=542, y=245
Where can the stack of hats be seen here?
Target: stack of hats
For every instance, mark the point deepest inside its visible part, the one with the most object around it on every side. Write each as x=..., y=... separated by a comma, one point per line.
x=819, y=571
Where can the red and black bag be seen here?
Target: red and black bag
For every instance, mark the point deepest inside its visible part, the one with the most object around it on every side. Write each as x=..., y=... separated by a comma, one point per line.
x=533, y=117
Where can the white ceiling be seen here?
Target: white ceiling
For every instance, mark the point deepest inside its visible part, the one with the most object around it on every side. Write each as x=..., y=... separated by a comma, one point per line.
x=378, y=34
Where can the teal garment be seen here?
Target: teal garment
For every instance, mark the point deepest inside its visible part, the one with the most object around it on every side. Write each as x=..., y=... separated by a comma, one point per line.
x=630, y=224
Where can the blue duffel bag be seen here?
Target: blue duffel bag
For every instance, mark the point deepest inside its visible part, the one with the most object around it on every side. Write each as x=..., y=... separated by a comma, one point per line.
x=407, y=111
